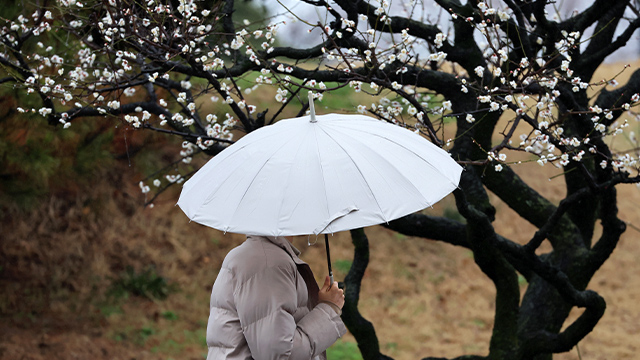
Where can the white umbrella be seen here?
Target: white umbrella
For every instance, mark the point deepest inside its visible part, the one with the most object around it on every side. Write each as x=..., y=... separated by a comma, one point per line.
x=318, y=175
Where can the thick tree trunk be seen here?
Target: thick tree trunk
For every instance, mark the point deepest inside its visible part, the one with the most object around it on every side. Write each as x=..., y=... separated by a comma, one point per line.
x=358, y=326
x=542, y=308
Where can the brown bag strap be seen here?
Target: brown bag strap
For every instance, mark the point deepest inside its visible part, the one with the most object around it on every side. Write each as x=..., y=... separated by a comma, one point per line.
x=312, y=290
x=312, y=285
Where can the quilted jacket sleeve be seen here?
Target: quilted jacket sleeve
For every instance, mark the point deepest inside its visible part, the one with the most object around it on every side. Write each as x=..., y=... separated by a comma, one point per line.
x=266, y=304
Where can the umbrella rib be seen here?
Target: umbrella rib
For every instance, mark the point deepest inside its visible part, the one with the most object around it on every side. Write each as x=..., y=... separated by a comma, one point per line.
x=411, y=150
x=418, y=155
x=324, y=184
x=239, y=146
x=235, y=211
x=282, y=201
x=359, y=171
x=408, y=149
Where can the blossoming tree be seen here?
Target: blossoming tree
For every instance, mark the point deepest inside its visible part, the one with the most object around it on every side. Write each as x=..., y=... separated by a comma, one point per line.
x=510, y=70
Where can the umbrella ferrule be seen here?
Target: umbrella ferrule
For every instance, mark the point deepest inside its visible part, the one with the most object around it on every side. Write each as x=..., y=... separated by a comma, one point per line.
x=312, y=109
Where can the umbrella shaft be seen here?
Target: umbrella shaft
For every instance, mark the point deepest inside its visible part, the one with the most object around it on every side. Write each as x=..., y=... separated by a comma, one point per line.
x=326, y=242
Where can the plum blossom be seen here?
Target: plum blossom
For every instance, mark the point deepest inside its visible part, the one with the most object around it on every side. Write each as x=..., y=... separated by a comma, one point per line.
x=439, y=40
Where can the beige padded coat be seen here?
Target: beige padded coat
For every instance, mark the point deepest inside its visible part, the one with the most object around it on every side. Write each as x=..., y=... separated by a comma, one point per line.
x=260, y=306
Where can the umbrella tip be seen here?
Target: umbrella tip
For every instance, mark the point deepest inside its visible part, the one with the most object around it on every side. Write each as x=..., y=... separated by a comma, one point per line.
x=312, y=109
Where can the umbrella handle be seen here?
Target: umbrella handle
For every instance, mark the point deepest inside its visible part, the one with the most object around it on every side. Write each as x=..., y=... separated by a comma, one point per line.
x=326, y=242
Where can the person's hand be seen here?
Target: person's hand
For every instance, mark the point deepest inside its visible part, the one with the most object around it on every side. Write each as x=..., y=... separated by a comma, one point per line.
x=331, y=293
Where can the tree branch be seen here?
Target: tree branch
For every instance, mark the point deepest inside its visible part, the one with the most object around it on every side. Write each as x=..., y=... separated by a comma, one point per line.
x=612, y=229
x=430, y=227
x=601, y=44
x=8, y=79
x=553, y=220
x=586, y=18
x=531, y=206
x=614, y=99
x=481, y=236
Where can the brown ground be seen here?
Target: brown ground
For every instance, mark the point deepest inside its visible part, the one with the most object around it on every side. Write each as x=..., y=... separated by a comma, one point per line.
x=425, y=298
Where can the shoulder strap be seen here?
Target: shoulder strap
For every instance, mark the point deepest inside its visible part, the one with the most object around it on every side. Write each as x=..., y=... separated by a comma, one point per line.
x=312, y=285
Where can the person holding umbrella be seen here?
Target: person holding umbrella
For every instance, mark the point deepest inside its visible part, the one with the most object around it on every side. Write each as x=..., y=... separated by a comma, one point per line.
x=266, y=304
x=309, y=175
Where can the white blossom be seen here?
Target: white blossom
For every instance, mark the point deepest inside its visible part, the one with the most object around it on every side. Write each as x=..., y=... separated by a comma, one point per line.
x=144, y=188
x=470, y=119
x=484, y=98
x=439, y=39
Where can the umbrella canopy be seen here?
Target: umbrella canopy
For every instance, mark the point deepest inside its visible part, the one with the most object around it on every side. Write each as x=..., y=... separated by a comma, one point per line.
x=318, y=175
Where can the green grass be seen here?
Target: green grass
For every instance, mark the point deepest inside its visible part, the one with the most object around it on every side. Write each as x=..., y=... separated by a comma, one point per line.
x=342, y=266
x=109, y=309
x=400, y=236
x=170, y=315
x=479, y=323
x=344, y=350
x=146, y=284
x=390, y=348
x=137, y=336
x=522, y=281
x=168, y=346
